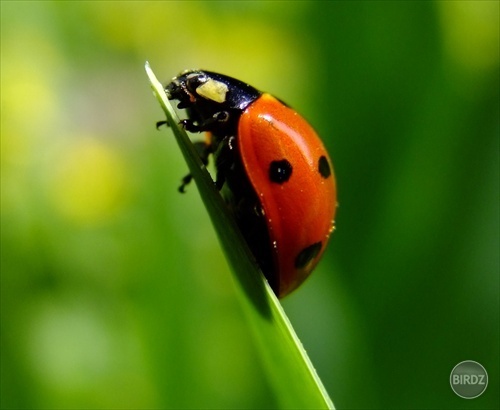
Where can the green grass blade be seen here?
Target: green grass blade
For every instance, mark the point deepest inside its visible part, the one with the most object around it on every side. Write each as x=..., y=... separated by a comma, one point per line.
x=290, y=371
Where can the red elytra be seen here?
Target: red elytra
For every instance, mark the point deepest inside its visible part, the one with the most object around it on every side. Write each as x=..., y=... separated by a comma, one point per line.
x=301, y=211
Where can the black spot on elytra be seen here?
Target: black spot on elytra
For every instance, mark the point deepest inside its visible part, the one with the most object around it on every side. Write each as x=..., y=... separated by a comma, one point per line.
x=280, y=171
x=324, y=167
x=307, y=254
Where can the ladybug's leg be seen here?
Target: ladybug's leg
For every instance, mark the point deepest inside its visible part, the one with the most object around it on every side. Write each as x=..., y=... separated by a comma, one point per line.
x=189, y=125
x=185, y=181
x=224, y=160
x=206, y=125
x=160, y=123
x=204, y=149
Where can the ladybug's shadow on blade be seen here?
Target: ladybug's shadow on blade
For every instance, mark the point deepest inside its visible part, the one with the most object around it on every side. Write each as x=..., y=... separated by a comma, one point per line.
x=256, y=292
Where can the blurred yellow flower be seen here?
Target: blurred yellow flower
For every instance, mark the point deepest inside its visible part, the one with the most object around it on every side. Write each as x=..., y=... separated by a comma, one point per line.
x=88, y=183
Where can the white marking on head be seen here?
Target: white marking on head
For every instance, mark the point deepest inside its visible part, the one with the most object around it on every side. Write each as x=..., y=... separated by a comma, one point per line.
x=213, y=90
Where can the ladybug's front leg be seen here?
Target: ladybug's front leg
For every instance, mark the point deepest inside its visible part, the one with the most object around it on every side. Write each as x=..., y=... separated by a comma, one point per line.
x=190, y=126
x=206, y=125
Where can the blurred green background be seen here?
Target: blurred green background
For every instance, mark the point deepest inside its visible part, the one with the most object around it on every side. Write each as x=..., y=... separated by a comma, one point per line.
x=114, y=290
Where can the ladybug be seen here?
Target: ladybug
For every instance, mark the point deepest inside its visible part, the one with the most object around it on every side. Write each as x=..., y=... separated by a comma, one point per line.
x=272, y=170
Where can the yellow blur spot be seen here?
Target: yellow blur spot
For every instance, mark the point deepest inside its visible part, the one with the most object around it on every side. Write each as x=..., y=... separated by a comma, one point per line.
x=89, y=181
x=471, y=32
x=29, y=98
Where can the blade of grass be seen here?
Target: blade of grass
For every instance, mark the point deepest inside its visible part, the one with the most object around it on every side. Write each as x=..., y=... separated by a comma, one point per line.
x=290, y=371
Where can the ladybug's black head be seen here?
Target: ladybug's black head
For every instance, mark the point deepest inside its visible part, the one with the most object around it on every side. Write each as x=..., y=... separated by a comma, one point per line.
x=207, y=92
